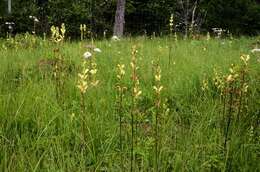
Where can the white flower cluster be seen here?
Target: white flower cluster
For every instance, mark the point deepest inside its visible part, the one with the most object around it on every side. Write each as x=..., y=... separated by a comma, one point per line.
x=115, y=38
x=218, y=31
x=34, y=19
x=88, y=54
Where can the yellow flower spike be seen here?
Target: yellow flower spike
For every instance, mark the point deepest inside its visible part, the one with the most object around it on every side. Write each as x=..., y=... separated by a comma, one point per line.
x=86, y=71
x=121, y=71
x=132, y=65
x=93, y=71
x=158, y=89
x=230, y=78
x=157, y=77
x=245, y=88
x=245, y=58
x=81, y=28
x=63, y=30
x=84, y=28
x=95, y=83
x=171, y=23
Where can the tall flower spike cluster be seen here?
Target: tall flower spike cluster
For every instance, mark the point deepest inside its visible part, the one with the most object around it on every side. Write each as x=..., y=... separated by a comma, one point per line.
x=93, y=74
x=234, y=89
x=83, y=79
x=158, y=89
x=136, y=88
x=87, y=78
x=58, y=34
x=175, y=37
x=83, y=31
x=136, y=92
x=120, y=72
x=171, y=23
x=35, y=20
x=218, y=81
x=205, y=84
x=120, y=94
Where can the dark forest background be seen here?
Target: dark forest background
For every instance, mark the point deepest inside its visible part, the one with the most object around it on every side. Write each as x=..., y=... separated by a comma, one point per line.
x=240, y=17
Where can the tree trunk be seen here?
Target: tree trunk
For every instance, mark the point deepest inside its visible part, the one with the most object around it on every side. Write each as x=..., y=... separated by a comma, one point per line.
x=9, y=10
x=119, y=18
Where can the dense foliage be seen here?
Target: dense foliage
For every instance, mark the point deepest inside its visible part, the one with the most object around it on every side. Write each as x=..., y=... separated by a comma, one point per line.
x=237, y=16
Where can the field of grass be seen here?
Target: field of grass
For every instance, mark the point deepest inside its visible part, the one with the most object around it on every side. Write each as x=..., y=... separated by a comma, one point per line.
x=43, y=126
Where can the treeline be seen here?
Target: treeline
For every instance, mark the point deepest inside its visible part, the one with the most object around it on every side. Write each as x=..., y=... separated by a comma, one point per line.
x=142, y=16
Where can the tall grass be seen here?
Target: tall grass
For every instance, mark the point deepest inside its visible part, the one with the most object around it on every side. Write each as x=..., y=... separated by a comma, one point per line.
x=37, y=134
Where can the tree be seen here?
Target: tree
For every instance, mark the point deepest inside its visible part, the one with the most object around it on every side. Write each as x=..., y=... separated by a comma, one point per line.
x=190, y=16
x=119, y=18
x=9, y=6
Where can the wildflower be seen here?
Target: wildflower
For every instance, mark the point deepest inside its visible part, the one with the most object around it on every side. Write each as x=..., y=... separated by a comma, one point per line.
x=171, y=23
x=95, y=83
x=84, y=28
x=9, y=23
x=205, y=85
x=208, y=36
x=36, y=20
x=245, y=88
x=171, y=20
x=245, y=58
x=87, y=55
x=230, y=78
x=97, y=50
x=158, y=89
x=255, y=50
x=158, y=77
x=63, y=30
x=115, y=38
x=93, y=71
x=137, y=92
x=81, y=27
x=83, y=86
x=218, y=31
x=121, y=71
x=105, y=33
x=175, y=36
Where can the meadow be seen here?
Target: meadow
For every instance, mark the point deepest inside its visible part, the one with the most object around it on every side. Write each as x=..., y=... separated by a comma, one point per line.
x=141, y=104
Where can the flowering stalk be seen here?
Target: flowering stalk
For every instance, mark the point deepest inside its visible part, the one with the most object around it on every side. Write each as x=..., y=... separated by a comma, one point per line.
x=83, y=85
x=244, y=86
x=86, y=80
x=171, y=31
x=58, y=36
x=157, y=91
x=220, y=84
x=120, y=94
x=136, y=92
x=83, y=30
x=233, y=89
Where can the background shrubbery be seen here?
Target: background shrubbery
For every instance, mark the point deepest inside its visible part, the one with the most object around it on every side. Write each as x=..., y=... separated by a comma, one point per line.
x=237, y=16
